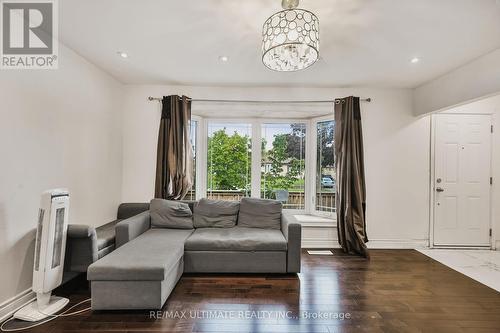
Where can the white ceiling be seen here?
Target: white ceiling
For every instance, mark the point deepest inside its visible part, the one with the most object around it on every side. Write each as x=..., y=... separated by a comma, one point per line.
x=363, y=42
x=261, y=110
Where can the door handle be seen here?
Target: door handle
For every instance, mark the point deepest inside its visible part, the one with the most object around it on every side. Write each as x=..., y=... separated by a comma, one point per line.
x=439, y=189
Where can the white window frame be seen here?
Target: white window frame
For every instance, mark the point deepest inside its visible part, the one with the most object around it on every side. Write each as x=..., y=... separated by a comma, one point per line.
x=204, y=170
x=314, y=159
x=200, y=158
x=256, y=136
x=307, y=170
x=256, y=123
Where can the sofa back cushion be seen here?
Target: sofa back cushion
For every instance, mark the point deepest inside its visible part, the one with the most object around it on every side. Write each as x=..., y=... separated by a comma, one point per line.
x=215, y=213
x=129, y=209
x=260, y=213
x=170, y=214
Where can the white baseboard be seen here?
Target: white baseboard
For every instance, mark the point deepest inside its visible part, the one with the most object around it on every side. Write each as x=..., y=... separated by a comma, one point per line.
x=372, y=244
x=397, y=243
x=325, y=236
x=11, y=305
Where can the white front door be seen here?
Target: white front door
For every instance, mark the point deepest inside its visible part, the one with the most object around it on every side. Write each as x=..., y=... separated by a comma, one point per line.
x=462, y=180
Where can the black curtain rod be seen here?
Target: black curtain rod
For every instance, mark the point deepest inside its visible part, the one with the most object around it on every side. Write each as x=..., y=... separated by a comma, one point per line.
x=336, y=101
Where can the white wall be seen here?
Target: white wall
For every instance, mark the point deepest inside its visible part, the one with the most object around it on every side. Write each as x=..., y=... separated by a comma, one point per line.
x=396, y=152
x=491, y=106
x=477, y=79
x=58, y=128
x=472, y=88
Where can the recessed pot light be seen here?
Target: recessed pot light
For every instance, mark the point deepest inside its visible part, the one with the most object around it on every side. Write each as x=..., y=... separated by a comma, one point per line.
x=224, y=58
x=122, y=54
x=414, y=60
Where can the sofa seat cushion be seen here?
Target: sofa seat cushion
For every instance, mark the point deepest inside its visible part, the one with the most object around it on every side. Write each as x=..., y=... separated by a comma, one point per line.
x=236, y=239
x=106, y=235
x=149, y=257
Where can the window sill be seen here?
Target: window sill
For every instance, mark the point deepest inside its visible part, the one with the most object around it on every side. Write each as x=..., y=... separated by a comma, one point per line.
x=308, y=220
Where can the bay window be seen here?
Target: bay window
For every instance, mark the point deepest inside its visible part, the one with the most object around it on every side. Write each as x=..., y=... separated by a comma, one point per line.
x=294, y=162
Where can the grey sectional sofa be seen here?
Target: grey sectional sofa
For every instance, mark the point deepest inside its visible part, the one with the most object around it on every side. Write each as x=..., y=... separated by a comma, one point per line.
x=149, y=260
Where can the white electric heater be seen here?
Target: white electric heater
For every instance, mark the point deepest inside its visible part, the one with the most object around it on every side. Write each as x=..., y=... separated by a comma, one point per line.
x=49, y=256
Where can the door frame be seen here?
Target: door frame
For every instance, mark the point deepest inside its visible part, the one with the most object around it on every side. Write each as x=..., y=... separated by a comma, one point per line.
x=432, y=177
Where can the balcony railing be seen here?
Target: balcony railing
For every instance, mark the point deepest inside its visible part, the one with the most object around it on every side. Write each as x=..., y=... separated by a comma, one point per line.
x=325, y=201
x=225, y=195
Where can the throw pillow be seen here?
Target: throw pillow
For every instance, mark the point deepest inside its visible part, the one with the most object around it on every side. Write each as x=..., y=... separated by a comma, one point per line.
x=170, y=214
x=215, y=213
x=260, y=213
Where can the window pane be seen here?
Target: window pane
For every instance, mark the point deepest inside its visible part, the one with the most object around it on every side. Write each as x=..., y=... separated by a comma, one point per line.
x=325, y=167
x=283, y=164
x=229, y=161
x=191, y=195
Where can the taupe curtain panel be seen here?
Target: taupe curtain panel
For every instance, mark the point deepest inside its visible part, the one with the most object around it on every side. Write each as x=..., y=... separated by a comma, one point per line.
x=351, y=189
x=174, y=162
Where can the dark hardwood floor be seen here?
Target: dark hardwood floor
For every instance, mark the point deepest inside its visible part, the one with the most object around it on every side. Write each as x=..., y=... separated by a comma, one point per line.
x=396, y=291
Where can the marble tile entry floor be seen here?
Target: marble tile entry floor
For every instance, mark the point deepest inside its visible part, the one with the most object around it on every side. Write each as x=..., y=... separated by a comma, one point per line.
x=480, y=265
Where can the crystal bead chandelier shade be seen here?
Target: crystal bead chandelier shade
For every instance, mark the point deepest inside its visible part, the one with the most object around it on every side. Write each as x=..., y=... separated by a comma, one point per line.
x=290, y=40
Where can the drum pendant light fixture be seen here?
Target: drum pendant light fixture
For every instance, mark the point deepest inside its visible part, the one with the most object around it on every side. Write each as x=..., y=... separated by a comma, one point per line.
x=290, y=38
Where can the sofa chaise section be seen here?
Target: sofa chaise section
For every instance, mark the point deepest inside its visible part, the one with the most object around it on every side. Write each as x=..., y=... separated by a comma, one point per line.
x=142, y=274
